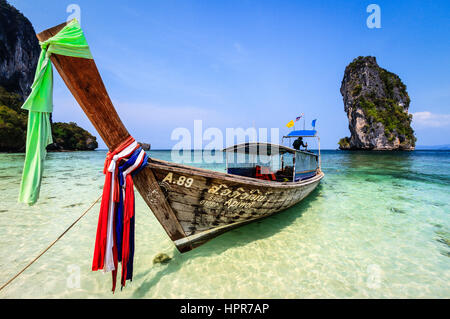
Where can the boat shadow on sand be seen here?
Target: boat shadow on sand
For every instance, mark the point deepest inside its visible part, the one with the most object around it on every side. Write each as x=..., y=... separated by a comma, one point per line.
x=241, y=236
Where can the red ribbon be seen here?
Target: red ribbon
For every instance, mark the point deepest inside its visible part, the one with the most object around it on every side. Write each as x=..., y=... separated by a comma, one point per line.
x=128, y=214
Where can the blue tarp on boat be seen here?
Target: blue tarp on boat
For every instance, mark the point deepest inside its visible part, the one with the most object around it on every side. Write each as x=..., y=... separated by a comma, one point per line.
x=307, y=133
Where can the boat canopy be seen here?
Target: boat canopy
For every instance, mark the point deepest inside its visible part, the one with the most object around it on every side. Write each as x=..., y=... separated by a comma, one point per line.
x=302, y=133
x=259, y=148
x=271, y=162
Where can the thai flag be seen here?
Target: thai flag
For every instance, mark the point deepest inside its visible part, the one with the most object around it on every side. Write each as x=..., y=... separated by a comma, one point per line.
x=298, y=117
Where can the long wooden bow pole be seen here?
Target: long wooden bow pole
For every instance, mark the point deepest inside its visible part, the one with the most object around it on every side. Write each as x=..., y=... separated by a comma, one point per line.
x=85, y=83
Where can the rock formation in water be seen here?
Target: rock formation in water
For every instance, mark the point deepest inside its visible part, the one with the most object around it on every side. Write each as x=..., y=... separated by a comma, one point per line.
x=69, y=136
x=145, y=146
x=19, y=54
x=376, y=103
x=161, y=258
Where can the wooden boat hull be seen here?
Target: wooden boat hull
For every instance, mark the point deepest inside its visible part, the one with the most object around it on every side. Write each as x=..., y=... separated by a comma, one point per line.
x=208, y=203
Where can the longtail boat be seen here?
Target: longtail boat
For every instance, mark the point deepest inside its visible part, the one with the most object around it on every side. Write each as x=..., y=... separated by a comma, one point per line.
x=194, y=205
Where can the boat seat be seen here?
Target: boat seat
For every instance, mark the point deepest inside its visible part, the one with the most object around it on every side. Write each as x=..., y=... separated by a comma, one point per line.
x=264, y=172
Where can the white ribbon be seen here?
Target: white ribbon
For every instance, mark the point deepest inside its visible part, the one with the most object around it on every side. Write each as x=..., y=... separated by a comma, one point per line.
x=130, y=169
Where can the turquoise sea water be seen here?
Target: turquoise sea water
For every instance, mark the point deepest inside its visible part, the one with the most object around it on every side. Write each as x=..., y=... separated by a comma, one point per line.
x=378, y=226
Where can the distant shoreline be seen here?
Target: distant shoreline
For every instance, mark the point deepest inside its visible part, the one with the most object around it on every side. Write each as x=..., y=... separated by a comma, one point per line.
x=327, y=149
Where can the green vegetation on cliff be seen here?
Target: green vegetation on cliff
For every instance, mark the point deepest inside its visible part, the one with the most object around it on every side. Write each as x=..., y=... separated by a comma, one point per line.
x=13, y=129
x=344, y=143
x=13, y=122
x=390, y=114
x=69, y=136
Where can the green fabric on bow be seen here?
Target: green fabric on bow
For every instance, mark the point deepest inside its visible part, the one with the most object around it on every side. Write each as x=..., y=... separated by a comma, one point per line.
x=70, y=41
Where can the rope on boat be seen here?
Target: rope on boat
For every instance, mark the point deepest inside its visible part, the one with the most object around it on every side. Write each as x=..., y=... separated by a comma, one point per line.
x=54, y=242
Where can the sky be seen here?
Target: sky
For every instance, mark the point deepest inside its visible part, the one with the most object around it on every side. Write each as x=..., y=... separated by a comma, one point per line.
x=249, y=64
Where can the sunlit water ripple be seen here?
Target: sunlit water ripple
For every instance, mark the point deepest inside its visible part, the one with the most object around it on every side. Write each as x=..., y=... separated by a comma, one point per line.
x=377, y=226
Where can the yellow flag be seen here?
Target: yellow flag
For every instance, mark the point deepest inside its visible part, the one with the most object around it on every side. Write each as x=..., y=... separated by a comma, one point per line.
x=290, y=124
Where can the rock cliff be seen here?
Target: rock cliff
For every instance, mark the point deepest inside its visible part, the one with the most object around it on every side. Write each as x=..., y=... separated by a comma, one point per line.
x=19, y=51
x=376, y=103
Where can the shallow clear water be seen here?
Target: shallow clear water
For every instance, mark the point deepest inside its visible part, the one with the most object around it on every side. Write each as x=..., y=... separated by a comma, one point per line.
x=377, y=226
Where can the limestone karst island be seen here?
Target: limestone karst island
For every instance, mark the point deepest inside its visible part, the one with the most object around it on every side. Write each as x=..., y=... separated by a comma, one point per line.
x=376, y=103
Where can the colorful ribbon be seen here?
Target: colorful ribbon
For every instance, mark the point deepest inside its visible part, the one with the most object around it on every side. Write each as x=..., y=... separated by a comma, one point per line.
x=115, y=230
x=126, y=213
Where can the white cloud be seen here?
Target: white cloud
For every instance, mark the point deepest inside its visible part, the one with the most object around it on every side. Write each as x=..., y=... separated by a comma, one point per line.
x=428, y=119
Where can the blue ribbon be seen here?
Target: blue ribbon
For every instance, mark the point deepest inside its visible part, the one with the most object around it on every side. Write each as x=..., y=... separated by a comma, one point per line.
x=120, y=209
